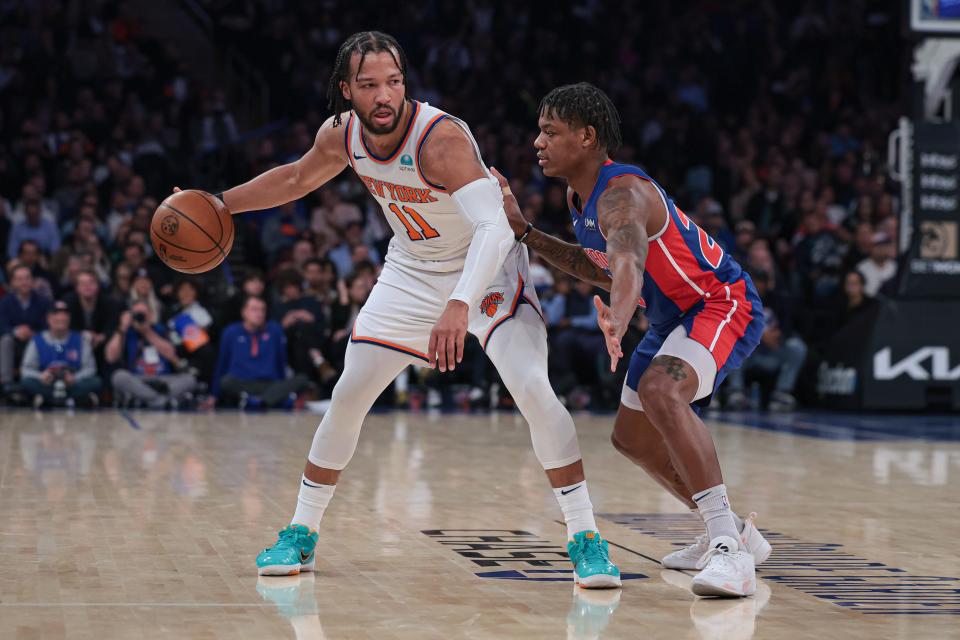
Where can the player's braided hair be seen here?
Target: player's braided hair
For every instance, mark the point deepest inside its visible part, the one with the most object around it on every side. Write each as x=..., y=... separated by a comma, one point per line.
x=583, y=104
x=363, y=43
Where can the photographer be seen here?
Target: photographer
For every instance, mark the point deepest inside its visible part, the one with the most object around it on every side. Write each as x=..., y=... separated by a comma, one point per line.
x=58, y=365
x=149, y=361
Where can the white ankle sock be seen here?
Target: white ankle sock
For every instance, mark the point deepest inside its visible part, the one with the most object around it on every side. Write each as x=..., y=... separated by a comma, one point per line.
x=577, y=508
x=737, y=520
x=311, y=503
x=715, y=510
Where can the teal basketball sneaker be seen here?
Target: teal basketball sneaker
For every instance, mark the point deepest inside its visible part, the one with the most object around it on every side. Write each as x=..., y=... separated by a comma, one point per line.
x=294, y=551
x=592, y=568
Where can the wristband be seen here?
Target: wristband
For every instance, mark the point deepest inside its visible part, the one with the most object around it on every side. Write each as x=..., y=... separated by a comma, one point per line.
x=526, y=232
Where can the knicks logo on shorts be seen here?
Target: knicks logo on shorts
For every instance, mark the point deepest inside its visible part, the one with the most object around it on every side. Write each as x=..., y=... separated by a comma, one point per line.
x=490, y=303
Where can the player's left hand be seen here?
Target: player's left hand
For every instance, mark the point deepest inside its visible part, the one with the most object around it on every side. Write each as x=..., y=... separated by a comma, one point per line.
x=612, y=333
x=510, y=205
x=447, y=337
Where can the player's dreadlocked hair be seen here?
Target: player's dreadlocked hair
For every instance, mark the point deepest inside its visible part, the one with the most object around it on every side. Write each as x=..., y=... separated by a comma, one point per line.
x=585, y=105
x=363, y=43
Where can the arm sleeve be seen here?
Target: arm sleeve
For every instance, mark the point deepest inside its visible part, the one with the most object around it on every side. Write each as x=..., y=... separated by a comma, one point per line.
x=30, y=365
x=88, y=365
x=481, y=202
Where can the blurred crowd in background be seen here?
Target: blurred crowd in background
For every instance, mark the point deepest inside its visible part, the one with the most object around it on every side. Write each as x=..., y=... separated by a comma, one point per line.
x=765, y=121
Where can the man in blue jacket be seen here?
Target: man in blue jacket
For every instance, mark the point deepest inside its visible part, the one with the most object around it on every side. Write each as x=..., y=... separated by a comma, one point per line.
x=58, y=365
x=253, y=359
x=23, y=313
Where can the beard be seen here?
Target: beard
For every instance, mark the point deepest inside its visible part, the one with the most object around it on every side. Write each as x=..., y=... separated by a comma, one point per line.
x=367, y=121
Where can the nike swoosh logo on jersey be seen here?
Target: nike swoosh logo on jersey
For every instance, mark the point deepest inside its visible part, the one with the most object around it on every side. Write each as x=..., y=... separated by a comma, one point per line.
x=563, y=493
x=356, y=157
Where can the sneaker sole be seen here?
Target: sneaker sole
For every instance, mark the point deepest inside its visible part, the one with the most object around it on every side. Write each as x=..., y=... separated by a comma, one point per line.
x=597, y=581
x=726, y=590
x=287, y=569
x=279, y=570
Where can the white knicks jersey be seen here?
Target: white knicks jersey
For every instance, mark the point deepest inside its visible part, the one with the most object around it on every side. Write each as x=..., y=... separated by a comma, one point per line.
x=426, y=223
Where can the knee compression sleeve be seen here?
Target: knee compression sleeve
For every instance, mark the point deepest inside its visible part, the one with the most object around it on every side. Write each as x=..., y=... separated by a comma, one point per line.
x=366, y=373
x=519, y=352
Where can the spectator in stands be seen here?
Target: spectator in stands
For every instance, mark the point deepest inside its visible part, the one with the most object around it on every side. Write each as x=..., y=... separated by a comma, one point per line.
x=852, y=303
x=30, y=256
x=746, y=233
x=253, y=360
x=23, y=313
x=320, y=280
x=92, y=313
x=781, y=353
x=303, y=250
x=862, y=245
x=819, y=259
x=148, y=362
x=135, y=257
x=34, y=227
x=304, y=325
x=710, y=217
x=282, y=230
x=353, y=293
x=334, y=215
x=253, y=284
x=142, y=291
x=576, y=343
x=881, y=266
x=189, y=328
x=58, y=365
x=122, y=281
x=343, y=255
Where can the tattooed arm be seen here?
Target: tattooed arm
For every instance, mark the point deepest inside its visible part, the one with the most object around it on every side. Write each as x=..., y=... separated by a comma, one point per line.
x=623, y=211
x=567, y=257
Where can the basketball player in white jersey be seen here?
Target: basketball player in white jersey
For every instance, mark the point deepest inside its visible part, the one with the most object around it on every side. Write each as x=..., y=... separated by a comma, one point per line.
x=453, y=266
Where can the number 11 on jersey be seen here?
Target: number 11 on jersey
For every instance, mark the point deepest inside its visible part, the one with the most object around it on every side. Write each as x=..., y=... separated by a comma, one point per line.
x=426, y=232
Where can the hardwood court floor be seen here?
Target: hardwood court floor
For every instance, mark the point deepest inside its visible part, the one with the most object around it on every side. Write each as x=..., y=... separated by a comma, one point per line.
x=147, y=525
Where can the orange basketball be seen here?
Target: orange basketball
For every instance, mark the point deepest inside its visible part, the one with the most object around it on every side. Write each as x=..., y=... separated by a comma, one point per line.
x=192, y=231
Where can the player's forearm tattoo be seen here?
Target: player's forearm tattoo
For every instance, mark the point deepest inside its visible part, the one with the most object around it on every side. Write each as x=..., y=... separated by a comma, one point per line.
x=567, y=257
x=671, y=365
x=626, y=231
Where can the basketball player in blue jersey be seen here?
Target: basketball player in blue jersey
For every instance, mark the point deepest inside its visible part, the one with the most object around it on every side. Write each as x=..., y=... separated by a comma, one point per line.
x=453, y=266
x=705, y=318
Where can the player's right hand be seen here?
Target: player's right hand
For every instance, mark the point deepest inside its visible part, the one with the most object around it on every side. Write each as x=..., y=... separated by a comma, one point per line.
x=611, y=332
x=446, y=344
x=510, y=205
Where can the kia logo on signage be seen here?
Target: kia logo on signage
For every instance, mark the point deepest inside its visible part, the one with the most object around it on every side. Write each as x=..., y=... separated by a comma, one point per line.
x=926, y=363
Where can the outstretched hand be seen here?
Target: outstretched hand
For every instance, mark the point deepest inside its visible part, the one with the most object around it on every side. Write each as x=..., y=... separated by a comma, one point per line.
x=612, y=333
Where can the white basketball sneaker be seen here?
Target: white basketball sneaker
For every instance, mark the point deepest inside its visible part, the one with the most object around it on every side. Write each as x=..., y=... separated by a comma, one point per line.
x=726, y=571
x=751, y=539
x=688, y=557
